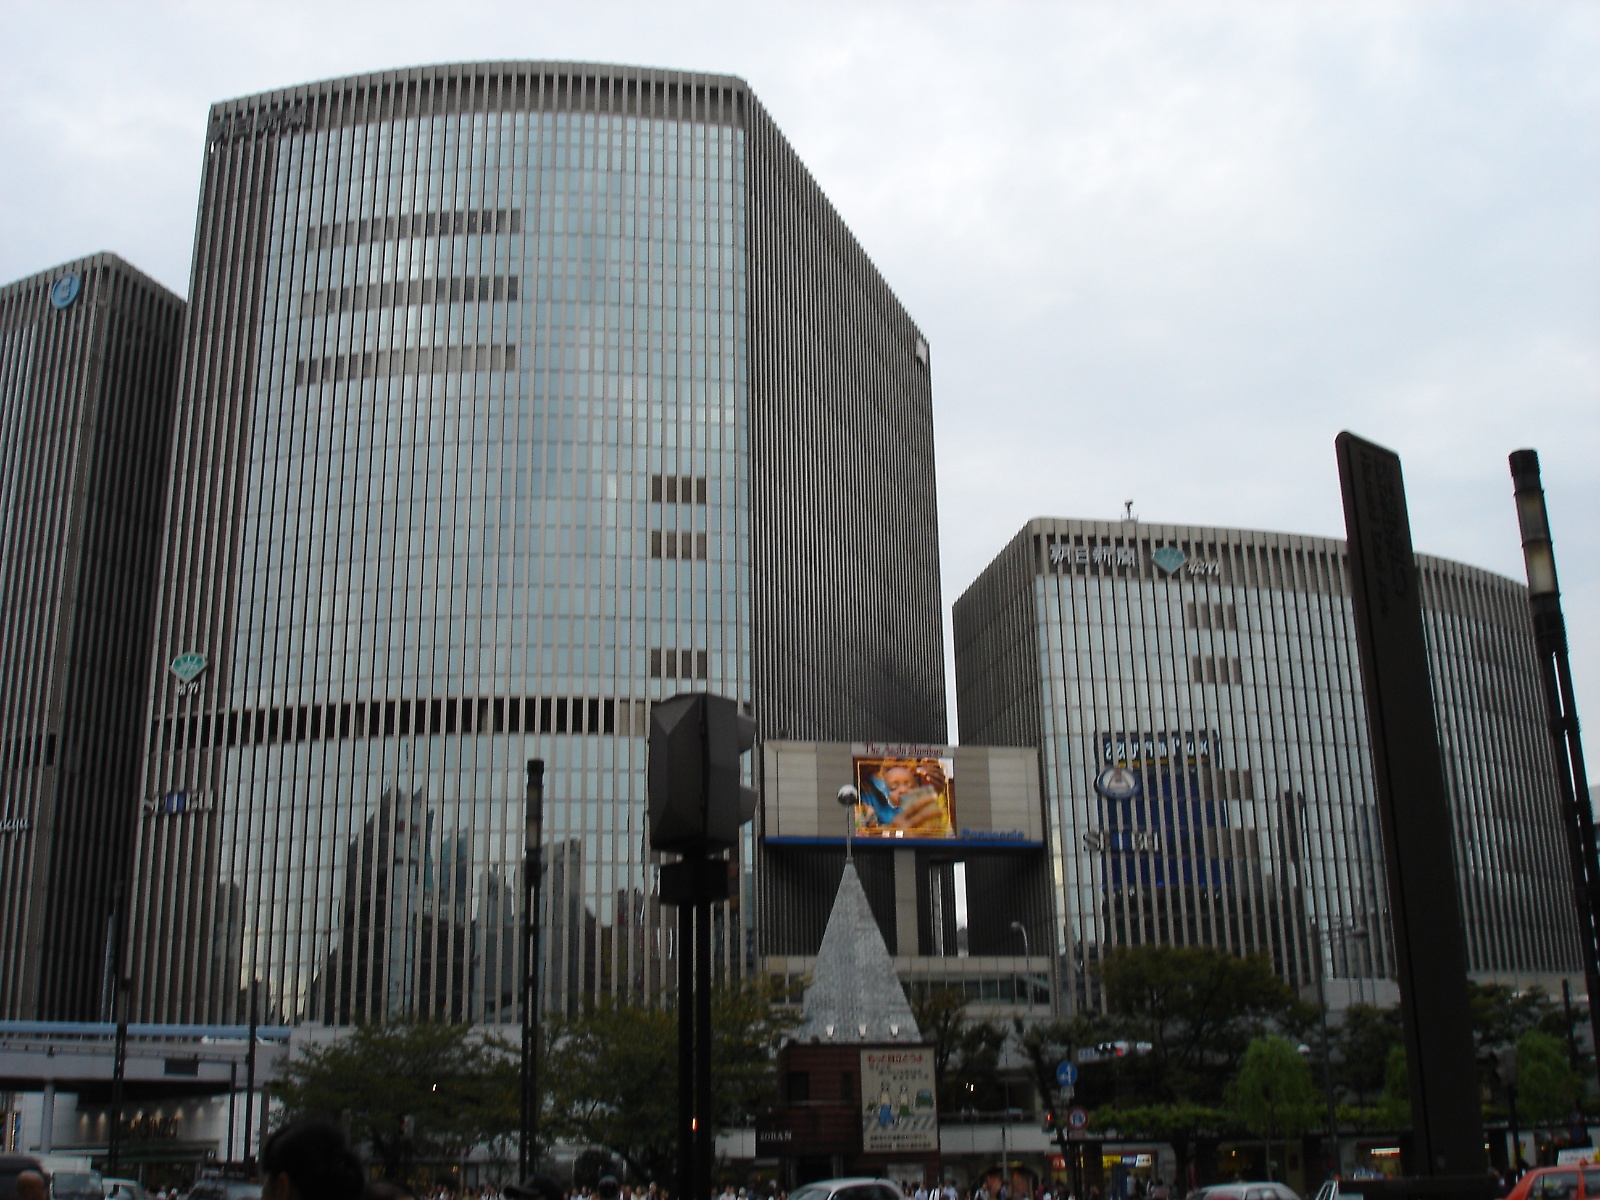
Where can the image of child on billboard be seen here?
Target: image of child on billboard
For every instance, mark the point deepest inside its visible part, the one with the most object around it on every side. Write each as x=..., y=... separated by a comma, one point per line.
x=905, y=797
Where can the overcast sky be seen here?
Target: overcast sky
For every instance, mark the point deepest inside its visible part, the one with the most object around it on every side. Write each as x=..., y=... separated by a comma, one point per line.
x=1161, y=252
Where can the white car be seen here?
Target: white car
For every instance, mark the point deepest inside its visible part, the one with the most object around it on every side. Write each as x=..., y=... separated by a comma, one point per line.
x=123, y=1189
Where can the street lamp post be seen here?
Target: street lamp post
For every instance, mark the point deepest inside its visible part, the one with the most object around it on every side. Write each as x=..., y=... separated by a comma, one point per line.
x=1555, y=673
x=1026, y=956
x=1325, y=938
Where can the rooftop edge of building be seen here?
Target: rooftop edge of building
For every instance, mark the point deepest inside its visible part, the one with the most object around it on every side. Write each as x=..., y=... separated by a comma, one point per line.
x=1117, y=527
x=336, y=84
x=100, y=258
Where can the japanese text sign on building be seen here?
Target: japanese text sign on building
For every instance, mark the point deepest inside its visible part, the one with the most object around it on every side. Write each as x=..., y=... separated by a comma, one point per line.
x=899, y=1113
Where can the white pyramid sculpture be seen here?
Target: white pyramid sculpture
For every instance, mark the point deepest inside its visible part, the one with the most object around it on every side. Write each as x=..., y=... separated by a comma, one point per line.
x=855, y=995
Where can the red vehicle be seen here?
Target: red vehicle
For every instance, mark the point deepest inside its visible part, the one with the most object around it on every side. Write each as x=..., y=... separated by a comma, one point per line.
x=1571, y=1182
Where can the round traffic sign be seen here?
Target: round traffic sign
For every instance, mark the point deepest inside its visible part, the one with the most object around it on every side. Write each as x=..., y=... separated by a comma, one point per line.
x=1077, y=1117
x=1066, y=1073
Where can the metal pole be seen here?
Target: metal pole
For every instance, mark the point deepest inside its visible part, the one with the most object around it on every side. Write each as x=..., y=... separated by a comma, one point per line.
x=1327, y=1061
x=702, y=1037
x=532, y=893
x=250, y=1071
x=1026, y=965
x=686, y=1146
x=119, y=1007
x=1555, y=671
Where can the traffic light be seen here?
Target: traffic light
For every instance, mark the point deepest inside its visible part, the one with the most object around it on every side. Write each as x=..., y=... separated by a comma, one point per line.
x=1050, y=1121
x=696, y=800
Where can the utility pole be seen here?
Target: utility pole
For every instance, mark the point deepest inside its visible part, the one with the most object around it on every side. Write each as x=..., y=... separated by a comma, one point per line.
x=1555, y=673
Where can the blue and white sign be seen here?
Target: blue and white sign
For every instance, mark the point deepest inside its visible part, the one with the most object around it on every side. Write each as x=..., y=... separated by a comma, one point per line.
x=1066, y=1074
x=1117, y=783
x=65, y=290
x=1077, y=1119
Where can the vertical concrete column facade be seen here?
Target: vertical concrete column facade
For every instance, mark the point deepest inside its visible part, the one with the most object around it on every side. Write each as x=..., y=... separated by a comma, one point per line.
x=88, y=368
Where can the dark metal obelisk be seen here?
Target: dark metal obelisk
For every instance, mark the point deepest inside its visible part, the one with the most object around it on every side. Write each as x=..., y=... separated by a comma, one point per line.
x=1414, y=814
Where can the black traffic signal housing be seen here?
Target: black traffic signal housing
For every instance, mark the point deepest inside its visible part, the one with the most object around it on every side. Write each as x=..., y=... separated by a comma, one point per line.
x=696, y=800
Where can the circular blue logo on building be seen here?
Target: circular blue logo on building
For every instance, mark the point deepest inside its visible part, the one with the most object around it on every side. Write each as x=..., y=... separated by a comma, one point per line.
x=65, y=290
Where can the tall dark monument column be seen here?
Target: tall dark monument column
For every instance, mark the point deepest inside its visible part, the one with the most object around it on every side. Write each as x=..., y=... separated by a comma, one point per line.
x=1414, y=813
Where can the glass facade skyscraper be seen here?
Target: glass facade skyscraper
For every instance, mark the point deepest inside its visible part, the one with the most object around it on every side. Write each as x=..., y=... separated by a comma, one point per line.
x=1196, y=699
x=517, y=396
x=88, y=364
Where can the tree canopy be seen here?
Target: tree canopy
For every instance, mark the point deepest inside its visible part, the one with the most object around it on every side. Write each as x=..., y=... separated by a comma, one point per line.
x=456, y=1087
x=610, y=1073
x=966, y=1053
x=1273, y=1094
x=1198, y=1008
x=1548, y=1089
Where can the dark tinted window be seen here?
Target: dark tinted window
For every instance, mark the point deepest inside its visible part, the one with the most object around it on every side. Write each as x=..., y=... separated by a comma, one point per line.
x=1591, y=1181
x=1556, y=1185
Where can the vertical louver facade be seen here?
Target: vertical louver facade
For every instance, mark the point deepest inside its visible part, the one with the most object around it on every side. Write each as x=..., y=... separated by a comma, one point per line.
x=517, y=396
x=1196, y=699
x=88, y=363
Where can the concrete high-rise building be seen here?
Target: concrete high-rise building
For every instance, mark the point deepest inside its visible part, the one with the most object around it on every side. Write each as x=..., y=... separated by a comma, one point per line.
x=1197, y=703
x=517, y=396
x=88, y=364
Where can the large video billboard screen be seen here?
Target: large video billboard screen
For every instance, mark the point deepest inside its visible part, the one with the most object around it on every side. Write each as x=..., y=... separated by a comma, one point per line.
x=905, y=797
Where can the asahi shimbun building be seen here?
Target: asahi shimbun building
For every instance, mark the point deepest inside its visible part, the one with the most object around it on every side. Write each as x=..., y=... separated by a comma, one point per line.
x=1196, y=700
x=516, y=396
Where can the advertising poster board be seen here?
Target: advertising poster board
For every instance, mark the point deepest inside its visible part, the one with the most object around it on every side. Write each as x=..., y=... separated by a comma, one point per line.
x=899, y=1113
x=905, y=796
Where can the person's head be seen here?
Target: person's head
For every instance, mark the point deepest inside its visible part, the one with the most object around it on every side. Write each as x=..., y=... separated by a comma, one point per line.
x=383, y=1189
x=30, y=1185
x=608, y=1188
x=310, y=1160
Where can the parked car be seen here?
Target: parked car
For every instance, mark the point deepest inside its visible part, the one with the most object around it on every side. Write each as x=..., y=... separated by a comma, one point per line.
x=76, y=1185
x=12, y=1165
x=1558, y=1183
x=123, y=1189
x=860, y=1188
x=1259, y=1190
x=225, y=1189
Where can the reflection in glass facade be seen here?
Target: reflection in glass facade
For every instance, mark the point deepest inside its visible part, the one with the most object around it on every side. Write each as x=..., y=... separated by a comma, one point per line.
x=1196, y=698
x=493, y=430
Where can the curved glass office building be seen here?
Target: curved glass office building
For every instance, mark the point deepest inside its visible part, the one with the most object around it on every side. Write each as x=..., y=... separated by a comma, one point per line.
x=1196, y=698
x=515, y=396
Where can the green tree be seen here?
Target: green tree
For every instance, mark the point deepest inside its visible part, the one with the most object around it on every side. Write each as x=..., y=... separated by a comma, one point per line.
x=610, y=1073
x=966, y=1053
x=1548, y=1089
x=1198, y=1008
x=1395, y=1107
x=456, y=1087
x=1273, y=1094
x=1361, y=1045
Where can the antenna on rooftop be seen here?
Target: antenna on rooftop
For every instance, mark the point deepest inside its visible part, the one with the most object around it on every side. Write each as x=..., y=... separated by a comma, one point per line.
x=1127, y=511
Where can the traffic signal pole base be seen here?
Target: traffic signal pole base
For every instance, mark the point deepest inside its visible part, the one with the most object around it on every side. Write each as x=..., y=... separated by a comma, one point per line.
x=693, y=881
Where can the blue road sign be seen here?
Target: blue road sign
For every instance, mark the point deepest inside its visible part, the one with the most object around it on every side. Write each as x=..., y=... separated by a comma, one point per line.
x=1066, y=1074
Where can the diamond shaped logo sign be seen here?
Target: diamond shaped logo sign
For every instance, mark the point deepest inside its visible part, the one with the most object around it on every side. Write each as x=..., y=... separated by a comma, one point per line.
x=187, y=667
x=1169, y=558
